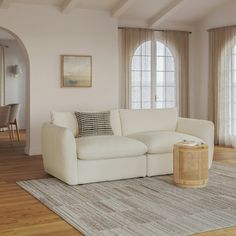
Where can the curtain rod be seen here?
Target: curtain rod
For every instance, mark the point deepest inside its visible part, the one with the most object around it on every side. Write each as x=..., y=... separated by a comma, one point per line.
x=153, y=29
x=221, y=27
x=3, y=46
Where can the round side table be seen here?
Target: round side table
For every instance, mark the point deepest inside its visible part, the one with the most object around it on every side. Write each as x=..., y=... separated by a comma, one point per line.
x=190, y=164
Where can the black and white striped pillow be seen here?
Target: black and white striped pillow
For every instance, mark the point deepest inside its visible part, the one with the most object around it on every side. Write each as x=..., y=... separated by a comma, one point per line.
x=94, y=123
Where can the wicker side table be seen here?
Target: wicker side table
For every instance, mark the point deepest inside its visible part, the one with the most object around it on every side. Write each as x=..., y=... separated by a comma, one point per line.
x=190, y=164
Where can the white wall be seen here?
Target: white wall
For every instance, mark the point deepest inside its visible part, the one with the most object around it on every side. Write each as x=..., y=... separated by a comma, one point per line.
x=46, y=33
x=225, y=16
x=15, y=87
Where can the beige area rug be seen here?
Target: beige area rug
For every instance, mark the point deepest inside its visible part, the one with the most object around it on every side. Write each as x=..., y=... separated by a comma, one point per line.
x=150, y=206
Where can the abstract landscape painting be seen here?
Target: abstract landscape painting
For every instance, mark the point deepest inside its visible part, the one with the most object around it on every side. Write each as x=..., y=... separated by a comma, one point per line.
x=76, y=71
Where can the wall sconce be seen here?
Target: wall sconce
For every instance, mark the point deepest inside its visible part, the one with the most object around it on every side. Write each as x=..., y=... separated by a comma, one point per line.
x=16, y=71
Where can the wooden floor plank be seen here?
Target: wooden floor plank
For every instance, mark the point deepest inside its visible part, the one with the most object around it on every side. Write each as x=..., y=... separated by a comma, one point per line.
x=20, y=213
x=23, y=215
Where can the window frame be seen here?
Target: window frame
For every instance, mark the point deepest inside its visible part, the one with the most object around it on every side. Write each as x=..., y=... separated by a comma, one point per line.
x=153, y=76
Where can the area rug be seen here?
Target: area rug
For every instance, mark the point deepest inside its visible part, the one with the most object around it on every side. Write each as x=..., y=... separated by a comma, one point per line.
x=150, y=206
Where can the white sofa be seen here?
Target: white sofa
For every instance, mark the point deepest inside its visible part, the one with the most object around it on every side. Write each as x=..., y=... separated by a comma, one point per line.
x=142, y=145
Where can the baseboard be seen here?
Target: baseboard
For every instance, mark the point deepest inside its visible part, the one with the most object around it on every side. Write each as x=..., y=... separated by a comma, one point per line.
x=27, y=150
x=34, y=151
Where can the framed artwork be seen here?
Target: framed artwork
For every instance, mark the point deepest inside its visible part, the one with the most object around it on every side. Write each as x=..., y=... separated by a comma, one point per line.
x=76, y=71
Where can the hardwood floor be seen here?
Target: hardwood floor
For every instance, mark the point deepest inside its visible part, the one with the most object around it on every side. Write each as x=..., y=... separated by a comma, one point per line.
x=20, y=213
x=224, y=154
x=23, y=215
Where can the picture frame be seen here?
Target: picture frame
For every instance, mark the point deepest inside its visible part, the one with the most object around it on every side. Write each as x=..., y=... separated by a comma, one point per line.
x=76, y=71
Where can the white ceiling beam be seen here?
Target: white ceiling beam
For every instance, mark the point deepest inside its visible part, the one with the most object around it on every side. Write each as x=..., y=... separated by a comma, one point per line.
x=68, y=5
x=121, y=7
x=5, y=4
x=164, y=14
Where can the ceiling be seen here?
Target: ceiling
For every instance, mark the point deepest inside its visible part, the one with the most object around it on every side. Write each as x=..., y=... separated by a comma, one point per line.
x=143, y=13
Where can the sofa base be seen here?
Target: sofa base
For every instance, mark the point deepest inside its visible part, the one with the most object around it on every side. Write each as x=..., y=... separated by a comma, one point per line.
x=111, y=169
x=159, y=164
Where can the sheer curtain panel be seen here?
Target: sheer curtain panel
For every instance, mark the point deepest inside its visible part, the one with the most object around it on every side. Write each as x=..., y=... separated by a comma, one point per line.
x=131, y=40
x=222, y=84
x=2, y=76
x=178, y=43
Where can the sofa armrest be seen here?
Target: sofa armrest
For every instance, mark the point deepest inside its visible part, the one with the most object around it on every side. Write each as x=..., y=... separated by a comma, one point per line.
x=202, y=129
x=59, y=153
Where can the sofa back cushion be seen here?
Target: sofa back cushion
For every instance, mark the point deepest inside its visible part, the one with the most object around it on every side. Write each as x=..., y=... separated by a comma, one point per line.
x=65, y=119
x=68, y=120
x=135, y=121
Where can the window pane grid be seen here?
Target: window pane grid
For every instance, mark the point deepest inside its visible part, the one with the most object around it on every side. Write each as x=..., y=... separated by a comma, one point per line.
x=165, y=71
x=142, y=80
x=164, y=55
x=141, y=86
x=166, y=101
x=163, y=86
x=141, y=70
x=166, y=85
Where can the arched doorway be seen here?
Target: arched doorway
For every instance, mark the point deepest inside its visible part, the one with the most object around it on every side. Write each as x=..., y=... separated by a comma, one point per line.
x=16, y=89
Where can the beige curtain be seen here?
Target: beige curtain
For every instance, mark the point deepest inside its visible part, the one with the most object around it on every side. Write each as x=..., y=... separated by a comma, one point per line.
x=176, y=41
x=130, y=40
x=222, y=82
x=2, y=76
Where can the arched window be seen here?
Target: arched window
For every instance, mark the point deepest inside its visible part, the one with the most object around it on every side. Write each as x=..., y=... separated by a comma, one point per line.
x=153, y=81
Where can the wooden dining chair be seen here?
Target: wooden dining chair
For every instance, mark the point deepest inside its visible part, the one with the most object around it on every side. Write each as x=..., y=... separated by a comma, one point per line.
x=14, y=110
x=4, y=120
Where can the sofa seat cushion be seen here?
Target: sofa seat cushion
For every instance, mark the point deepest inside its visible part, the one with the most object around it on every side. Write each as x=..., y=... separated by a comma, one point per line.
x=108, y=147
x=162, y=141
